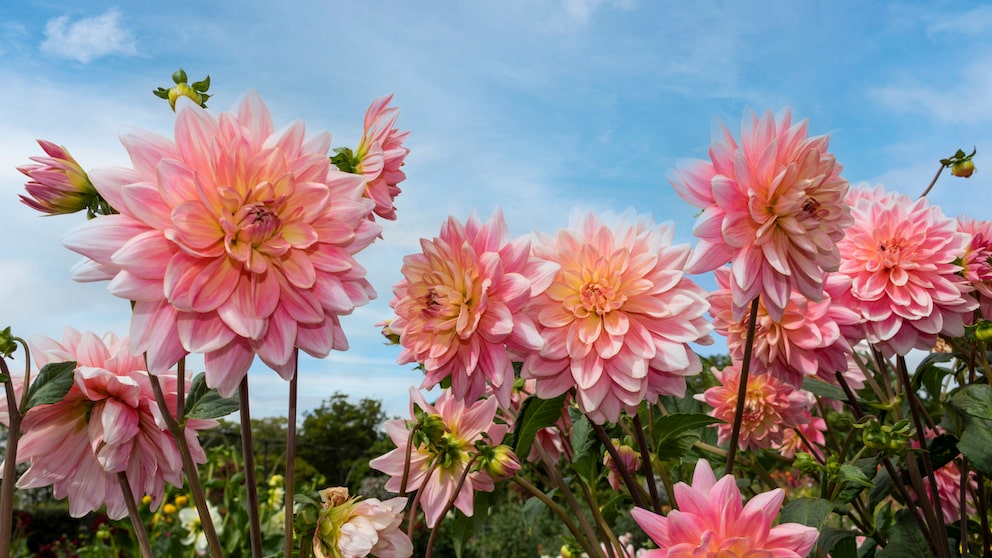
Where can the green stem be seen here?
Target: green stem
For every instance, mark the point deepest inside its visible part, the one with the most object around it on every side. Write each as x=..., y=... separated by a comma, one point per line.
x=554, y=507
x=10, y=463
x=735, y=432
x=553, y=472
x=251, y=484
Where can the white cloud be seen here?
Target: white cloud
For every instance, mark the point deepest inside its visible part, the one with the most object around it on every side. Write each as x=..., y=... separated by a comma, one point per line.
x=88, y=38
x=977, y=21
x=582, y=10
x=960, y=99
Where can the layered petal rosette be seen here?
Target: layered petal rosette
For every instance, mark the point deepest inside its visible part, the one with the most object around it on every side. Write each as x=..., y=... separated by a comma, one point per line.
x=901, y=257
x=977, y=261
x=806, y=341
x=618, y=318
x=439, y=458
x=711, y=521
x=773, y=206
x=380, y=155
x=108, y=423
x=459, y=306
x=233, y=240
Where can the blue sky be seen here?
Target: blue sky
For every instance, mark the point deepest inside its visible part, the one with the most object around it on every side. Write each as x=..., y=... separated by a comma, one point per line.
x=541, y=107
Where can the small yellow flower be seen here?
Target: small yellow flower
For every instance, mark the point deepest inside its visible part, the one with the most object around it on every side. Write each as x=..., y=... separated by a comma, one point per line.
x=146, y=499
x=156, y=518
x=168, y=509
x=181, y=501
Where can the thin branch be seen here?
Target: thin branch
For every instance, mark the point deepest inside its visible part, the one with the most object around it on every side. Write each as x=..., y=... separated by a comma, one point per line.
x=735, y=432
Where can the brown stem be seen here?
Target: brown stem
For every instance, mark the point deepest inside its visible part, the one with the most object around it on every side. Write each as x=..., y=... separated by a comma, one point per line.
x=189, y=468
x=964, y=506
x=934, y=181
x=735, y=432
x=406, y=462
x=251, y=484
x=290, y=477
x=983, y=515
x=416, y=500
x=554, y=507
x=646, y=469
x=10, y=463
x=132, y=512
x=592, y=549
x=450, y=503
x=636, y=490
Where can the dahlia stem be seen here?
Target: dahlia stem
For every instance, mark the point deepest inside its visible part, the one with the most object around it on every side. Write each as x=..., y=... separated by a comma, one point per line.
x=554, y=507
x=251, y=484
x=934, y=181
x=592, y=550
x=735, y=432
x=983, y=515
x=189, y=467
x=406, y=462
x=914, y=409
x=10, y=461
x=635, y=489
x=416, y=500
x=290, y=477
x=614, y=548
x=964, y=506
x=132, y=511
x=449, y=504
x=646, y=467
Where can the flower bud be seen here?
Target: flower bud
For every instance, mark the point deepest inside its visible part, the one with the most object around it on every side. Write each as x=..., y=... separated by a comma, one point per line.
x=196, y=91
x=501, y=463
x=963, y=168
x=7, y=343
x=58, y=184
x=630, y=460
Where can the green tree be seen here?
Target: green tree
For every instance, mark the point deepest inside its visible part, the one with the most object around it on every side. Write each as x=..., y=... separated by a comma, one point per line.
x=339, y=437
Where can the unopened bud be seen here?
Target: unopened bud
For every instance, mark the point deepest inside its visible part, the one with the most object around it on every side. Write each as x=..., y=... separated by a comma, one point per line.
x=501, y=463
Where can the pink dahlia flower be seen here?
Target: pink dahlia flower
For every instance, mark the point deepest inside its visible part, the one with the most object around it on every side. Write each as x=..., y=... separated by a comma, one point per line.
x=108, y=423
x=380, y=155
x=773, y=206
x=900, y=255
x=355, y=528
x=771, y=406
x=459, y=306
x=711, y=521
x=437, y=465
x=977, y=261
x=630, y=460
x=232, y=241
x=58, y=184
x=805, y=341
x=618, y=318
x=812, y=431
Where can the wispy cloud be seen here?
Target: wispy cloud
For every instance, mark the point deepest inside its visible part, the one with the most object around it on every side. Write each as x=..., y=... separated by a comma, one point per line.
x=90, y=38
x=962, y=98
x=582, y=10
x=976, y=21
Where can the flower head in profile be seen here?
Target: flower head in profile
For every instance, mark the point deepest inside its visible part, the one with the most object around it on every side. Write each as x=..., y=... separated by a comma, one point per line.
x=439, y=457
x=58, y=184
x=900, y=255
x=618, y=317
x=354, y=528
x=771, y=406
x=233, y=240
x=108, y=423
x=711, y=521
x=806, y=341
x=380, y=155
x=459, y=306
x=796, y=438
x=630, y=462
x=976, y=263
x=773, y=206
x=189, y=518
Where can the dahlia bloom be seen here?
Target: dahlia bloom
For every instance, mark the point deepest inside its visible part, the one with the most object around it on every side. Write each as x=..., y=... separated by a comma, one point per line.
x=806, y=341
x=711, y=521
x=58, y=185
x=380, y=155
x=438, y=463
x=630, y=460
x=773, y=206
x=232, y=241
x=107, y=423
x=459, y=306
x=355, y=528
x=812, y=431
x=977, y=261
x=189, y=518
x=900, y=255
x=771, y=406
x=618, y=318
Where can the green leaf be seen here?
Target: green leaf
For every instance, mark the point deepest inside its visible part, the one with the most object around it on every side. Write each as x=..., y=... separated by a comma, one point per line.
x=974, y=444
x=975, y=400
x=205, y=403
x=811, y=512
x=850, y=473
x=534, y=415
x=585, y=446
x=675, y=434
x=54, y=381
x=943, y=450
x=823, y=389
x=905, y=539
x=881, y=488
x=839, y=543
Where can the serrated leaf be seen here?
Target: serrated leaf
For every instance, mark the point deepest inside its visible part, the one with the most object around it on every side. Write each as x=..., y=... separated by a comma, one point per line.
x=974, y=444
x=811, y=512
x=205, y=403
x=975, y=400
x=53, y=382
x=534, y=415
x=823, y=389
x=905, y=539
x=585, y=446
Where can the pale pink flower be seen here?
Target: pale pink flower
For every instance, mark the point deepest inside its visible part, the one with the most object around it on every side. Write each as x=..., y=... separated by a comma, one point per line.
x=380, y=155
x=58, y=184
x=459, y=306
x=437, y=466
x=108, y=423
x=711, y=521
x=805, y=341
x=232, y=241
x=812, y=431
x=618, y=318
x=773, y=206
x=948, y=480
x=355, y=528
x=630, y=460
x=976, y=262
x=771, y=406
x=900, y=255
